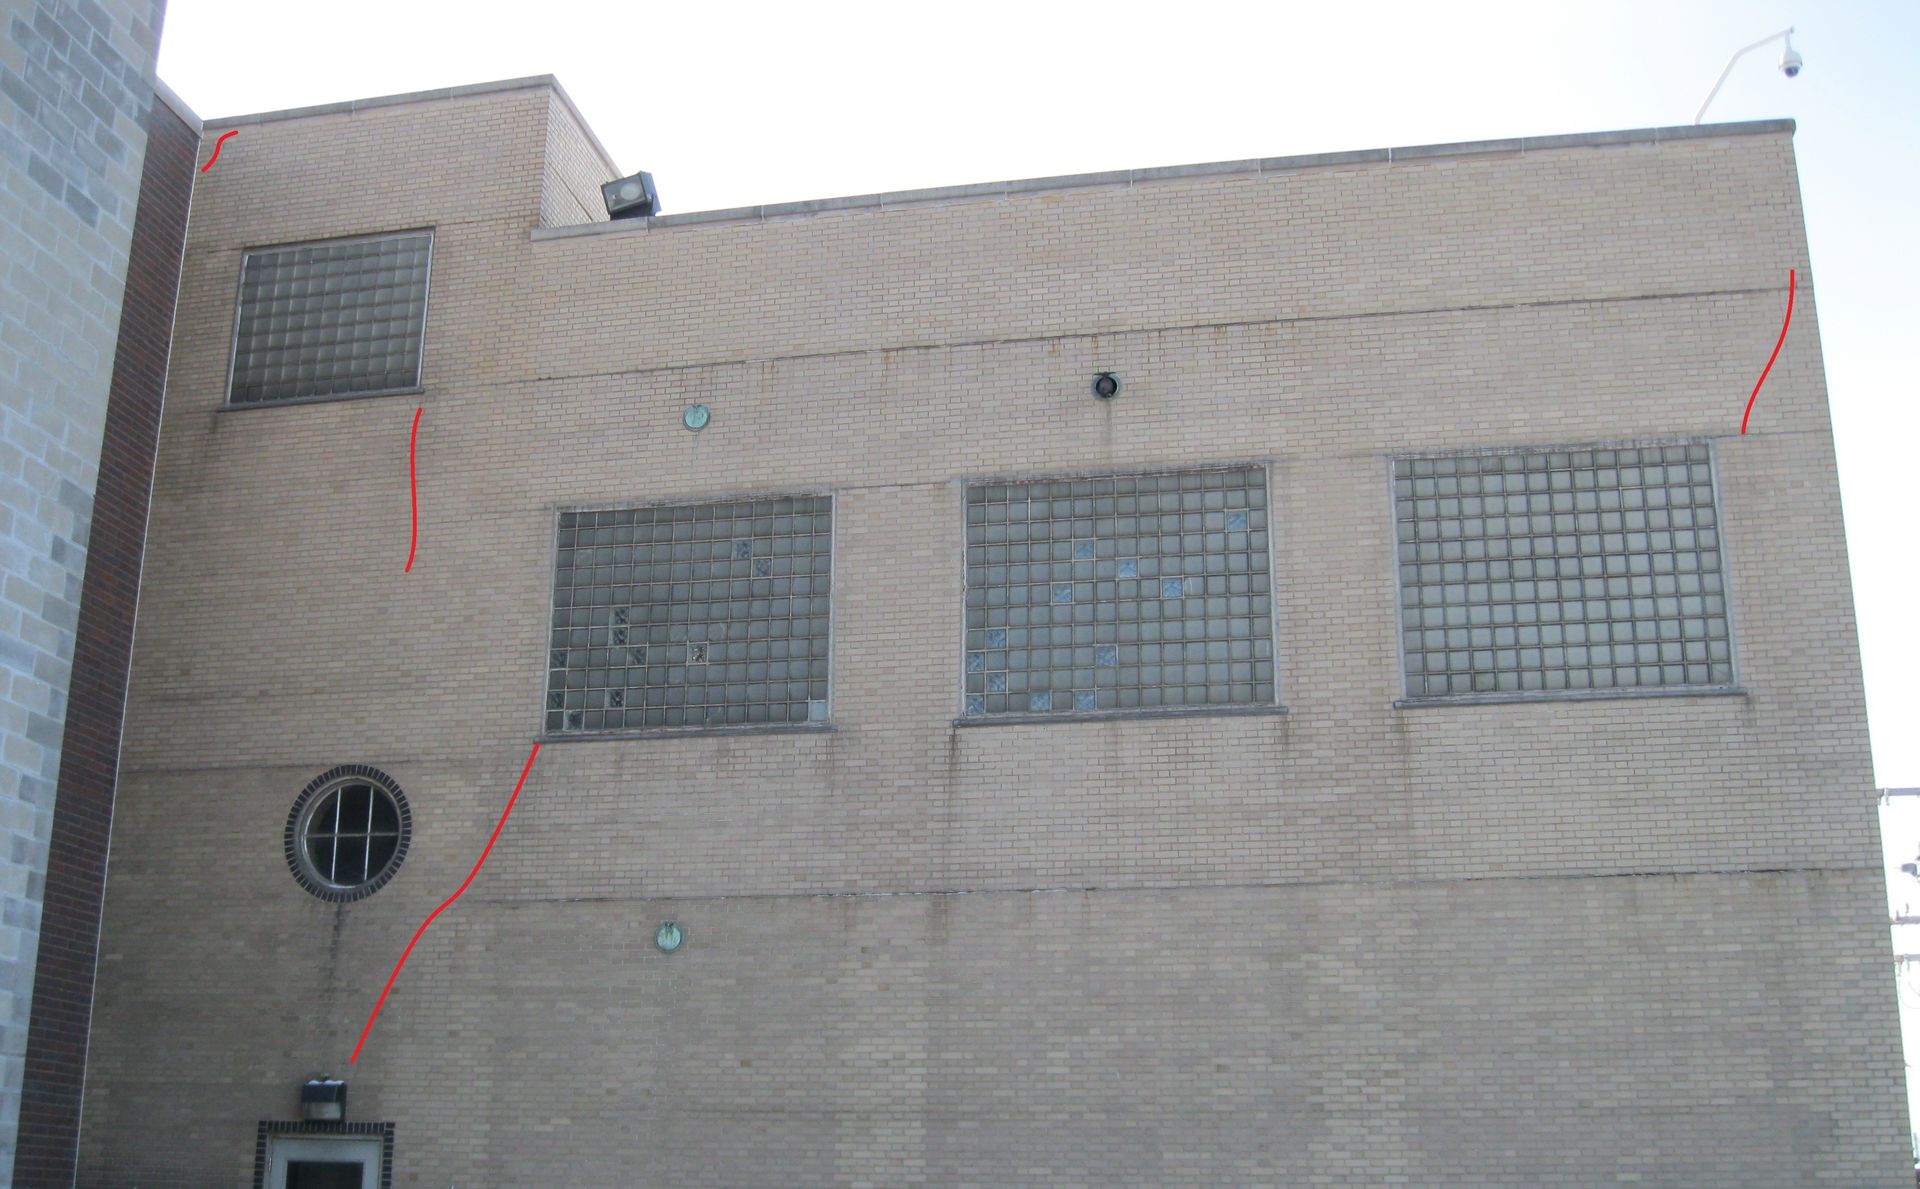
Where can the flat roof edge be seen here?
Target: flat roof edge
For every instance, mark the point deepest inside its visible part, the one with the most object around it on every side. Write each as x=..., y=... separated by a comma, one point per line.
x=1515, y=146
x=347, y=107
x=179, y=105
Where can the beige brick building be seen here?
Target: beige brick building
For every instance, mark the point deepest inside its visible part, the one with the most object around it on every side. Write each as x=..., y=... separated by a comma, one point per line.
x=1482, y=874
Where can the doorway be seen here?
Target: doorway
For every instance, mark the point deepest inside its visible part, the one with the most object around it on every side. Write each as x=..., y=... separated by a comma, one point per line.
x=323, y=1162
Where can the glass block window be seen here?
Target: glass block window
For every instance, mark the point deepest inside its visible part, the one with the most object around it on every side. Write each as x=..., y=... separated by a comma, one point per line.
x=1126, y=593
x=337, y=318
x=707, y=615
x=1561, y=571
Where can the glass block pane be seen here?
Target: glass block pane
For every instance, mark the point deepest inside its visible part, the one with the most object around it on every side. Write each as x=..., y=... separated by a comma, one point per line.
x=704, y=615
x=331, y=319
x=1129, y=592
x=1586, y=553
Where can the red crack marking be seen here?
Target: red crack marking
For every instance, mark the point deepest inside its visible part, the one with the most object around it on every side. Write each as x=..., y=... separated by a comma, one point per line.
x=1772, y=357
x=216, y=149
x=413, y=489
x=478, y=863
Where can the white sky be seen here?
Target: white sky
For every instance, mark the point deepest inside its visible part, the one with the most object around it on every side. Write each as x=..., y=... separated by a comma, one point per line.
x=733, y=105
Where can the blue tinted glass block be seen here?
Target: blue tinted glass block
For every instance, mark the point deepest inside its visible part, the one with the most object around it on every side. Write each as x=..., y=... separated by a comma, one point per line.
x=1171, y=588
x=1040, y=701
x=1129, y=567
x=1106, y=656
x=1083, y=699
x=996, y=683
x=1063, y=592
x=976, y=661
x=996, y=637
x=976, y=704
x=762, y=567
x=1083, y=550
x=742, y=550
x=1236, y=522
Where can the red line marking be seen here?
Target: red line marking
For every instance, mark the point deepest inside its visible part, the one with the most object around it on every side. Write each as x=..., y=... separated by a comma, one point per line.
x=216, y=149
x=1772, y=357
x=413, y=490
x=404, y=954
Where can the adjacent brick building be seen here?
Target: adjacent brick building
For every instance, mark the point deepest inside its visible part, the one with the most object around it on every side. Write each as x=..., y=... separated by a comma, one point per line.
x=76, y=94
x=1406, y=733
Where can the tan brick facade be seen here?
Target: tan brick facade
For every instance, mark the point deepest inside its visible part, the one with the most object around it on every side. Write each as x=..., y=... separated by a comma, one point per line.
x=1555, y=942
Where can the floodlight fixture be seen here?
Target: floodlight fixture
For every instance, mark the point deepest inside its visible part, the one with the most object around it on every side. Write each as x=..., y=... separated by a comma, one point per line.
x=631, y=197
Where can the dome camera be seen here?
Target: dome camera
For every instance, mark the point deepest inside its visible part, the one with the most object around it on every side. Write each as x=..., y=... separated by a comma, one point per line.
x=1790, y=62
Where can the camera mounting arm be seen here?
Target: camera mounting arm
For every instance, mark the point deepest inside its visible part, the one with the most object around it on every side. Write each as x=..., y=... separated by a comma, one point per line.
x=1789, y=62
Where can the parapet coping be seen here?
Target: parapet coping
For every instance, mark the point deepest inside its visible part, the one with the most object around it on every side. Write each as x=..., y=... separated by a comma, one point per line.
x=179, y=105
x=1515, y=146
x=349, y=107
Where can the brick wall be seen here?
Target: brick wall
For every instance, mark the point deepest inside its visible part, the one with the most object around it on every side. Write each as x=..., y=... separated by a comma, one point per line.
x=573, y=168
x=1526, y=944
x=75, y=84
x=90, y=749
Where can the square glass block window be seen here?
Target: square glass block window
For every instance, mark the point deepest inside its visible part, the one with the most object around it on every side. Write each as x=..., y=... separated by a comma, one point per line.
x=1562, y=571
x=338, y=318
x=698, y=616
x=1126, y=593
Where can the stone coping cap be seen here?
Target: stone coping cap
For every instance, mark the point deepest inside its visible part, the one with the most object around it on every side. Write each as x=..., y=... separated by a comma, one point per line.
x=1127, y=177
x=348, y=107
x=179, y=105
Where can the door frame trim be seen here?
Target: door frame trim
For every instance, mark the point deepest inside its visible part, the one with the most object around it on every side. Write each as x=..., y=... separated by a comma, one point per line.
x=287, y=1128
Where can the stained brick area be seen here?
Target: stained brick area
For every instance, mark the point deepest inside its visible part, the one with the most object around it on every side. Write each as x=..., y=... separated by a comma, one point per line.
x=76, y=863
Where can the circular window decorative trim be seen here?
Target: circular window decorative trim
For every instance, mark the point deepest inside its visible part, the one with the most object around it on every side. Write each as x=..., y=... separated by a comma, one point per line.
x=318, y=787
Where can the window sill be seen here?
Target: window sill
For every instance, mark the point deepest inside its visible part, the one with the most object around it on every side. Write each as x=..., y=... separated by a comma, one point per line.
x=1068, y=718
x=228, y=406
x=1583, y=695
x=643, y=733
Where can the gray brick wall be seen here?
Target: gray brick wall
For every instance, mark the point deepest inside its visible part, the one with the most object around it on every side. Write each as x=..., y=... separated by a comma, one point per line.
x=75, y=85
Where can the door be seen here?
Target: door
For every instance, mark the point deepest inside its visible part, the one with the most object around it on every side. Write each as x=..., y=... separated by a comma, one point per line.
x=323, y=1162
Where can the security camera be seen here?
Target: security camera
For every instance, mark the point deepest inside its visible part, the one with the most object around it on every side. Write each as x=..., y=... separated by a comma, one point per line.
x=1790, y=62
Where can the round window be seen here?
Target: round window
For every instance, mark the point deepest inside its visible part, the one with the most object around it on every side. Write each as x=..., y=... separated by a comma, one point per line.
x=348, y=832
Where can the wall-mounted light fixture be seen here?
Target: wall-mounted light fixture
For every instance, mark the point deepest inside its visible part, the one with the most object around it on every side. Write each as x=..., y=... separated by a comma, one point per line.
x=1106, y=386
x=631, y=197
x=324, y=1100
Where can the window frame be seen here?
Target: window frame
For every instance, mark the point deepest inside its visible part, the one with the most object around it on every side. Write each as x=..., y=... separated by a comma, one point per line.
x=1029, y=718
x=239, y=291
x=1406, y=700
x=812, y=726
x=294, y=840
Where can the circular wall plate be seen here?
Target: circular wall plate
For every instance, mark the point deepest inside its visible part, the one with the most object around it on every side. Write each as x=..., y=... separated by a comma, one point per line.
x=669, y=937
x=696, y=417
